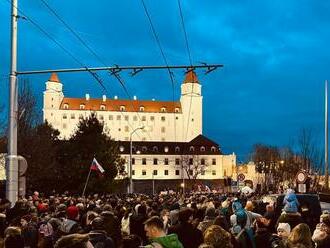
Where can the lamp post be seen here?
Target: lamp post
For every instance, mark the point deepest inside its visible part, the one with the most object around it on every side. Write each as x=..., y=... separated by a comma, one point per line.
x=130, y=160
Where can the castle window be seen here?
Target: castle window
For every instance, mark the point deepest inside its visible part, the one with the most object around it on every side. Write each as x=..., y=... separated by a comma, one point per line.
x=155, y=161
x=65, y=116
x=143, y=118
x=141, y=109
x=133, y=172
x=133, y=160
x=118, y=117
x=144, y=148
x=191, y=161
x=177, y=149
x=121, y=148
x=214, y=172
x=177, y=161
x=82, y=106
x=144, y=161
x=163, y=110
x=177, y=172
x=177, y=110
x=163, y=118
x=66, y=106
x=166, y=161
x=101, y=118
x=166, y=172
x=202, y=161
x=144, y=173
x=126, y=117
x=192, y=149
x=135, y=118
x=166, y=149
x=191, y=172
x=152, y=118
x=203, y=172
x=214, y=161
x=110, y=117
x=126, y=128
x=73, y=116
x=213, y=149
x=122, y=108
x=202, y=149
x=155, y=173
x=102, y=107
x=163, y=129
x=155, y=149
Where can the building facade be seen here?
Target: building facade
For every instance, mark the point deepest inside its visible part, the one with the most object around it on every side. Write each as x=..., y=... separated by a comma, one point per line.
x=168, y=149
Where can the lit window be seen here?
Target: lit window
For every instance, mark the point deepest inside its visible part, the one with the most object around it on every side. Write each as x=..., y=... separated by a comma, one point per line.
x=122, y=108
x=144, y=172
x=202, y=149
x=163, y=118
x=65, y=116
x=166, y=161
x=102, y=107
x=214, y=161
x=163, y=110
x=163, y=130
x=166, y=172
x=121, y=148
x=155, y=172
x=166, y=149
x=73, y=116
x=144, y=161
x=141, y=109
x=213, y=149
x=177, y=172
x=82, y=106
x=66, y=106
x=214, y=172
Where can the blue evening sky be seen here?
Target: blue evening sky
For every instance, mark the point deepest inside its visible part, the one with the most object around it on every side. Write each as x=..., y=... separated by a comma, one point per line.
x=276, y=56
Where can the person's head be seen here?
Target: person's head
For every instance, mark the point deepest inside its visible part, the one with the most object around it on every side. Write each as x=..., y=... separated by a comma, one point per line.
x=72, y=212
x=74, y=241
x=301, y=234
x=249, y=206
x=217, y=237
x=154, y=227
x=185, y=215
x=13, y=237
x=25, y=220
x=210, y=213
x=270, y=208
x=98, y=223
x=131, y=241
x=283, y=230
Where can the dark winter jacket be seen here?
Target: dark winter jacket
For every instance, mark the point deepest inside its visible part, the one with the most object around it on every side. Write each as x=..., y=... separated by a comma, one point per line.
x=263, y=238
x=168, y=241
x=187, y=234
x=30, y=236
x=136, y=226
x=293, y=219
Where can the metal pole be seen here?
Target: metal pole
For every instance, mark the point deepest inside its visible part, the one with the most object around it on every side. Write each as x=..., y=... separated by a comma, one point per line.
x=11, y=161
x=131, y=186
x=89, y=173
x=326, y=138
x=153, y=183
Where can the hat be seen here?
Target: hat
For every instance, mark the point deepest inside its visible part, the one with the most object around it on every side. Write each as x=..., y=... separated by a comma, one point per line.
x=72, y=212
x=285, y=227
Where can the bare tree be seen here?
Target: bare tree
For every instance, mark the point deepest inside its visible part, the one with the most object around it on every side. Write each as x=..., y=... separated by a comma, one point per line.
x=306, y=147
x=193, y=165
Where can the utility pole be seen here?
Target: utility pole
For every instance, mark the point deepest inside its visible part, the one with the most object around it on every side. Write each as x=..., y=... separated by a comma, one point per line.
x=326, y=164
x=11, y=160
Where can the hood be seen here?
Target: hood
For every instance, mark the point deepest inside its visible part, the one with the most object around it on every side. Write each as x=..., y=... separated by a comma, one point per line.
x=291, y=197
x=169, y=241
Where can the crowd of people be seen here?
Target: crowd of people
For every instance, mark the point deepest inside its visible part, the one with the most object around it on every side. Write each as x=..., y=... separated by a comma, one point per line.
x=159, y=221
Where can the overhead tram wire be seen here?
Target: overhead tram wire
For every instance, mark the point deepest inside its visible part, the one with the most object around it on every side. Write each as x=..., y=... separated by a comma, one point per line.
x=120, y=80
x=93, y=73
x=164, y=59
x=190, y=61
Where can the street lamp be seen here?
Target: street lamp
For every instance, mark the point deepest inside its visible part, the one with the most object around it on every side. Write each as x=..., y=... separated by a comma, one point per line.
x=130, y=189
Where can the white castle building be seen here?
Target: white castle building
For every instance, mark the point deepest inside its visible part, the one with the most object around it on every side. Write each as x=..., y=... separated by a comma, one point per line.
x=171, y=129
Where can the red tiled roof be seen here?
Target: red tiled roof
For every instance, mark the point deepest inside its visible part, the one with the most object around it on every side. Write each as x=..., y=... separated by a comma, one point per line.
x=54, y=78
x=115, y=105
x=191, y=77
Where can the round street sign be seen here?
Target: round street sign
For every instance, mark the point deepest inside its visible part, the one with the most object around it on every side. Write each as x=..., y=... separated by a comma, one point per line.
x=241, y=177
x=301, y=177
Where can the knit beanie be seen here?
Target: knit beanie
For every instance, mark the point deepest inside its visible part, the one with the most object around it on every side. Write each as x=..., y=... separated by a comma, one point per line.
x=72, y=212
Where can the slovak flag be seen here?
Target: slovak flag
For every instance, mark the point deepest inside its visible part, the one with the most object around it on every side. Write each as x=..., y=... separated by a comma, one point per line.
x=95, y=166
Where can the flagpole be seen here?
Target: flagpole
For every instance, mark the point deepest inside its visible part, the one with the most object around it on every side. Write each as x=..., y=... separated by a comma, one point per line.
x=89, y=173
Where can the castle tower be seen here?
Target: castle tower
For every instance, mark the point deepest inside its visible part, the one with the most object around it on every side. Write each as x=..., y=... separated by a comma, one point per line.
x=192, y=106
x=53, y=96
